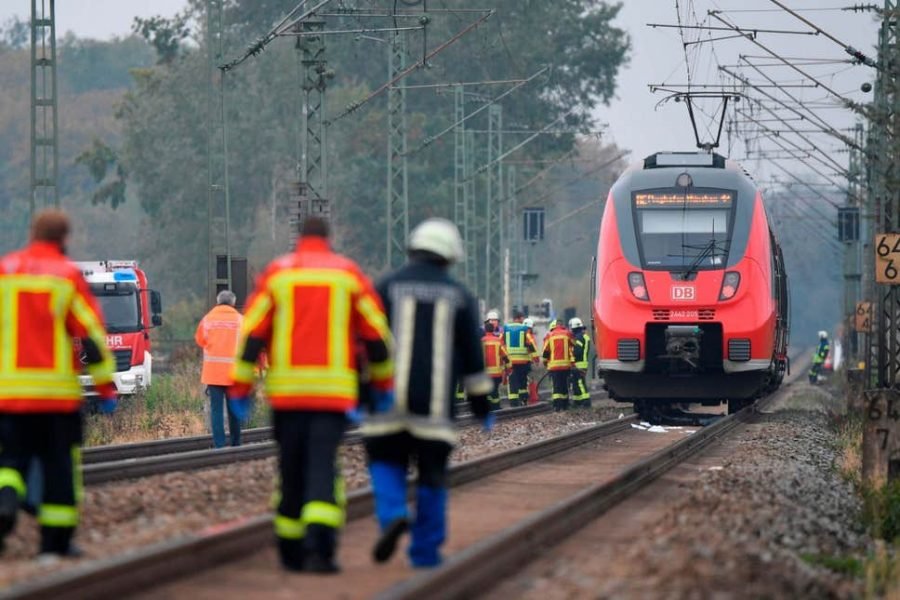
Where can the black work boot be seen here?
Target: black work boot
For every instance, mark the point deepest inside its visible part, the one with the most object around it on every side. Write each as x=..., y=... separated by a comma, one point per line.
x=321, y=542
x=387, y=543
x=291, y=553
x=57, y=541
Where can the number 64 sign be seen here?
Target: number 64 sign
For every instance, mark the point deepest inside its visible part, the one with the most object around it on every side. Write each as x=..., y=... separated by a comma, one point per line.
x=887, y=258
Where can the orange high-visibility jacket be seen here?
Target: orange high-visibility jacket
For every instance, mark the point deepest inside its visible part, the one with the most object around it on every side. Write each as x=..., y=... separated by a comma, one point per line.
x=495, y=357
x=558, y=351
x=217, y=334
x=45, y=304
x=311, y=307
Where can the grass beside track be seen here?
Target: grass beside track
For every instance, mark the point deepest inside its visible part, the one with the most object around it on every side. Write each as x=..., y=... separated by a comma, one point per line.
x=174, y=406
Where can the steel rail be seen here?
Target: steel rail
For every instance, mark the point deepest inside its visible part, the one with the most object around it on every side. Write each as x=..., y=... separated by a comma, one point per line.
x=473, y=571
x=141, y=569
x=118, y=469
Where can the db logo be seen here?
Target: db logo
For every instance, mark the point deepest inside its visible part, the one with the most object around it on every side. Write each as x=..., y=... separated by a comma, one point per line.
x=683, y=292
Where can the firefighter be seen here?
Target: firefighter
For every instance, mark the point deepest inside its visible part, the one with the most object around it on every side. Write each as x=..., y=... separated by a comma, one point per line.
x=45, y=304
x=559, y=358
x=496, y=361
x=311, y=308
x=435, y=324
x=493, y=317
x=581, y=398
x=819, y=357
x=217, y=334
x=522, y=352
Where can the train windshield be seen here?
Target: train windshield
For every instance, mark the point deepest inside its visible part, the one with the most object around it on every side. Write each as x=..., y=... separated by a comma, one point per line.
x=684, y=230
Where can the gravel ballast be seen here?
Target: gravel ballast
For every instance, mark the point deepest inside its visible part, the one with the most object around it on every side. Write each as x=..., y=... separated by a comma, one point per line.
x=753, y=517
x=124, y=515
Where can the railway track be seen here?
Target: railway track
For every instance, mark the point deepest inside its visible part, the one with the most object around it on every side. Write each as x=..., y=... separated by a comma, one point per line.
x=104, y=464
x=193, y=561
x=196, y=552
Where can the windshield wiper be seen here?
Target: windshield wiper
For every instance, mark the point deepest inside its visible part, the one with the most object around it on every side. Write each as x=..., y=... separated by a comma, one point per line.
x=709, y=248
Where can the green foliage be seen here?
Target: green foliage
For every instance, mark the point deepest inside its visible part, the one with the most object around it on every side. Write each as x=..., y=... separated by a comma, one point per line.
x=99, y=159
x=92, y=65
x=165, y=35
x=850, y=566
x=882, y=511
x=14, y=34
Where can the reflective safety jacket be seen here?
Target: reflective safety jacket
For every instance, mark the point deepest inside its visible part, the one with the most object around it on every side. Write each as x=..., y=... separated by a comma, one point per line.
x=559, y=350
x=495, y=357
x=309, y=310
x=520, y=344
x=45, y=304
x=217, y=334
x=582, y=350
x=821, y=352
x=434, y=319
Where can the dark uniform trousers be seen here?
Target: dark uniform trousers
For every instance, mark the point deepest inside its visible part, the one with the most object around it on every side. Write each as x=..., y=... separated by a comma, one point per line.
x=310, y=509
x=560, y=395
x=494, y=398
x=518, y=384
x=55, y=440
x=580, y=394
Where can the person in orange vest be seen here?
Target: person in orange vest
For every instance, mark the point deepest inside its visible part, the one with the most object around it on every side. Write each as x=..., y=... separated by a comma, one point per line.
x=496, y=361
x=45, y=305
x=217, y=334
x=311, y=308
x=559, y=358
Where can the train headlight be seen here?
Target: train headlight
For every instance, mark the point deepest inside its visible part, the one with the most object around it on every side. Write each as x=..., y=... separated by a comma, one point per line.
x=730, y=284
x=638, y=287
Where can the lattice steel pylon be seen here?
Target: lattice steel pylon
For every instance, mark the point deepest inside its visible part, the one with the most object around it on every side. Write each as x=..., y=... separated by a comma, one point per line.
x=397, y=173
x=218, y=201
x=44, y=104
x=493, y=218
x=460, y=210
x=313, y=163
x=470, y=238
x=884, y=198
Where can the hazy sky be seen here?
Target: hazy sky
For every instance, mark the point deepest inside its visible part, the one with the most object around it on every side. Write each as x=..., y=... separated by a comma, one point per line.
x=635, y=121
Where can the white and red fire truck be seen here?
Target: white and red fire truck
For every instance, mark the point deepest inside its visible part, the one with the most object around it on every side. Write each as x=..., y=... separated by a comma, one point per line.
x=130, y=310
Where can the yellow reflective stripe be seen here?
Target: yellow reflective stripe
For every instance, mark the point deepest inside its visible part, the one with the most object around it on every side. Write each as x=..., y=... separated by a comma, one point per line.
x=12, y=478
x=256, y=313
x=375, y=317
x=38, y=391
x=289, y=529
x=244, y=372
x=381, y=370
x=57, y=515
x=102, y=372
x=77, y=478
x=313, y=380
x=322, y=513
x=340, y=489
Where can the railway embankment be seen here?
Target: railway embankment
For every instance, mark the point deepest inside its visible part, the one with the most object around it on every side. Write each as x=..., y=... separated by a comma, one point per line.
x=773, y=511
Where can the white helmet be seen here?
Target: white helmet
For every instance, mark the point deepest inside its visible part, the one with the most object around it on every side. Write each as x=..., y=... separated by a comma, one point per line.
x=575, y=323
x=529, y=322
x=492, y=315
x=823, y=335
x=438, y=236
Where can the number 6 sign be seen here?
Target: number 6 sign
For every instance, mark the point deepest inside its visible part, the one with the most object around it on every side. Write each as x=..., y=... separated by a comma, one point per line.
x=887, y=258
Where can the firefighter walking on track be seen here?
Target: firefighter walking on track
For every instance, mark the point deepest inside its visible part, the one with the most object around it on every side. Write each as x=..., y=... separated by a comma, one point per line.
x=819, y=357
x=581, y=397
x=45, y=304
x=311, y=309
x=435, y=324
x=559, y=359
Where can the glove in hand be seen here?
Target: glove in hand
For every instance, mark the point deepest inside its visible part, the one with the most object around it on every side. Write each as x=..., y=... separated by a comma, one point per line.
x=108, y=398
x=355, y=416
x=383, y=400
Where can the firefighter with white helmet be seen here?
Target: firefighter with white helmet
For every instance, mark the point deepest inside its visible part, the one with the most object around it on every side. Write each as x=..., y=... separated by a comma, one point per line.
x=434, y=319
x=819, y=357
x=581, y=397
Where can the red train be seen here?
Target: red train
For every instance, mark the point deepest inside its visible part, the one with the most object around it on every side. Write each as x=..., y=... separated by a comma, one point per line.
x=690, y=290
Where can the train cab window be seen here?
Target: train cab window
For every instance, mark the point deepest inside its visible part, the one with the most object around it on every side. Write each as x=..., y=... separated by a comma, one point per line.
x=683, y=230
